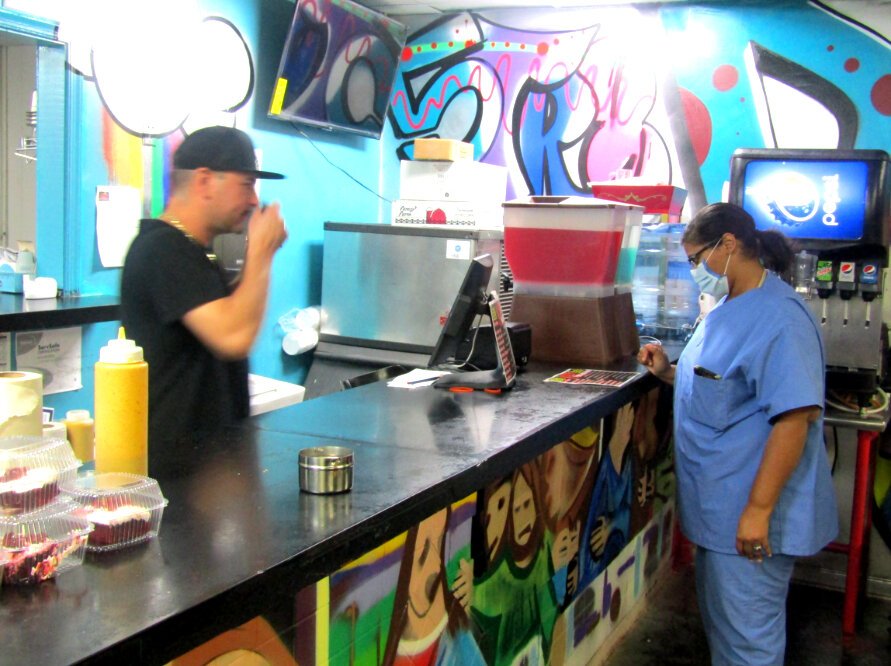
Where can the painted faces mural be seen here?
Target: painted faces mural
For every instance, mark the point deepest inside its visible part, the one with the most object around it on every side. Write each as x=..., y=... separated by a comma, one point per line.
x=535, y=567
x=429, y=625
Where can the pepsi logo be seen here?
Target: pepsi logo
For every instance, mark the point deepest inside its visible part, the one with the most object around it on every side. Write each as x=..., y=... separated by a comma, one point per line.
x=791, y=197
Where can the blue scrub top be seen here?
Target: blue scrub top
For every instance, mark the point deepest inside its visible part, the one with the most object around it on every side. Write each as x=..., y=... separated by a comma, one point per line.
x=765, y=346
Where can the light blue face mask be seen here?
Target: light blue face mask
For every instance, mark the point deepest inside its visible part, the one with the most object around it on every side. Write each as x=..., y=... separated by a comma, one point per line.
x=710, y=283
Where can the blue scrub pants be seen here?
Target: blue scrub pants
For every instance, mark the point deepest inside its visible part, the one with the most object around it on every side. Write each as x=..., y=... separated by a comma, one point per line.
x=743, y=607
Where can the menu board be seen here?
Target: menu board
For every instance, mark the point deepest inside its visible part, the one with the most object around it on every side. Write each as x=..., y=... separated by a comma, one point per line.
x=609, y=378
x=502, y=340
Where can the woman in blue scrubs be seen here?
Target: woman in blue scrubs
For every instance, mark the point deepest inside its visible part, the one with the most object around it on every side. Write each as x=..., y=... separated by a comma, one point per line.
x=754, y=485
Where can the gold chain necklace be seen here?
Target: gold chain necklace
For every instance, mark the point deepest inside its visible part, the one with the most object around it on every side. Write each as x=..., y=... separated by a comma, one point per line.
x=176, y=224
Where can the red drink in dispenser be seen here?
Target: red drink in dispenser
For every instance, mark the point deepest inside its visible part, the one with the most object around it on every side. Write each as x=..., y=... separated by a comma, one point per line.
x=564, y=246
x=562, y=256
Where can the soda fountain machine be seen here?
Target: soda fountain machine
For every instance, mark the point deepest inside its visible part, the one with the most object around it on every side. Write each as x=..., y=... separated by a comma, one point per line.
x=834, y=205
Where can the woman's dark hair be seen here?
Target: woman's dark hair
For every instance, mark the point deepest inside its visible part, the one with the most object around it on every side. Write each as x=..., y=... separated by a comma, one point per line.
x=712, y=222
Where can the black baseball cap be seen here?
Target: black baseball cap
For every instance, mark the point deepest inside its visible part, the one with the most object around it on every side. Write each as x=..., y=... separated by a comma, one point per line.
x=219, y=149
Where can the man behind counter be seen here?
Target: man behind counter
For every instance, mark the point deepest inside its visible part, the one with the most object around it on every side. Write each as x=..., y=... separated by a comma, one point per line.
x=176, y=302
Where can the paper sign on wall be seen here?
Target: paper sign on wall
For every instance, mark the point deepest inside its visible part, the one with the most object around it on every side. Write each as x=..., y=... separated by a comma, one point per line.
x=5, y=348
x=55, y=353
x=118, y=209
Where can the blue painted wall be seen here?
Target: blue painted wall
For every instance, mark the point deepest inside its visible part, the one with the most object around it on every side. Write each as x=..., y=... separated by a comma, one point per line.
x=319, y=189
x=322, y=171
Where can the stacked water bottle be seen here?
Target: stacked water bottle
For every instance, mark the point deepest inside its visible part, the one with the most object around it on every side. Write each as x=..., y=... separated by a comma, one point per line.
x=666, y=299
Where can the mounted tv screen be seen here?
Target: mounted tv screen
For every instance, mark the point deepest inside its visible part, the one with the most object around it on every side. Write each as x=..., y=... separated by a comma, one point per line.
x=833, y=197
x=337, y=67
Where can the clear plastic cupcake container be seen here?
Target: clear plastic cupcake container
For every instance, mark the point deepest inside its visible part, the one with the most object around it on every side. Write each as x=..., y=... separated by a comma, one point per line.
x=39, y=545
x=33, y=472
x=124, y=509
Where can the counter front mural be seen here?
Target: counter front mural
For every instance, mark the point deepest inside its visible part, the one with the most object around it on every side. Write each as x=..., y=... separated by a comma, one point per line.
x=536, y=568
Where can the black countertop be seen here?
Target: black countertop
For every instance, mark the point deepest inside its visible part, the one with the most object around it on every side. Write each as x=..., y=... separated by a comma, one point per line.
x=238, y=529
x=20, y=314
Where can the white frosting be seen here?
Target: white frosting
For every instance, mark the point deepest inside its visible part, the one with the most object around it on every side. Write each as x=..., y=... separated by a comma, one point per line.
x=117, y=516
x=30, y=549
x=33, y=479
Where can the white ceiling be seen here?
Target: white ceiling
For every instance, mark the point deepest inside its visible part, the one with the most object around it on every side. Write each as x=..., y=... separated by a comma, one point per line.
x=406, y=7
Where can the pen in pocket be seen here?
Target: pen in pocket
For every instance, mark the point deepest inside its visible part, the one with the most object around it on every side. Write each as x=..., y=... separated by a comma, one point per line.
x=705, y=372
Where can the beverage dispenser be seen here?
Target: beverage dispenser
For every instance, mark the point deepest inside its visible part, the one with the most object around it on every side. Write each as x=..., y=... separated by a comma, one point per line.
x=565, y=253
x=834, y=204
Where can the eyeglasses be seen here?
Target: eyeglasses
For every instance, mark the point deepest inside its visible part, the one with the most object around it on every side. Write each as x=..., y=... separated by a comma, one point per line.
x=694, y=258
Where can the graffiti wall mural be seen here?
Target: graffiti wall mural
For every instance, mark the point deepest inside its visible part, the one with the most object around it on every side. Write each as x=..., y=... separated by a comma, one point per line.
x=665, y=94
x=558, y=108
x=535, y=568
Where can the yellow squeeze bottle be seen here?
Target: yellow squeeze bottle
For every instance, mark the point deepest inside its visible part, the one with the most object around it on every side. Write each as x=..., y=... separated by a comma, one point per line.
x=121, y=407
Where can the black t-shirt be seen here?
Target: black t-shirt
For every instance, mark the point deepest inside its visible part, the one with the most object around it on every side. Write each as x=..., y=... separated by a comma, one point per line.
x=166, y=275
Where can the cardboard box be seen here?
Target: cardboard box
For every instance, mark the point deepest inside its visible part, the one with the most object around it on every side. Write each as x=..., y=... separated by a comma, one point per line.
x=664, y=200
x=452, y=181
x=443, y=149
x=578, y=331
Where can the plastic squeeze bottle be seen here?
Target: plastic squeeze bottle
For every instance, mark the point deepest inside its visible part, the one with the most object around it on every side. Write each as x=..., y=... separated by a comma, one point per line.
x=121, y=405
x=79, y=427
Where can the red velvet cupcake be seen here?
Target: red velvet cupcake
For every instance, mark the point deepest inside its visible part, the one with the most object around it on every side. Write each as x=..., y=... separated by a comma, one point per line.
x=41, y=544
x=124, y=509
x=34, y=472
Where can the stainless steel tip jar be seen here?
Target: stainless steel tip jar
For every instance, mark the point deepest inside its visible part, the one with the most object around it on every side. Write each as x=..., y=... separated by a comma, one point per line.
x=326, y=469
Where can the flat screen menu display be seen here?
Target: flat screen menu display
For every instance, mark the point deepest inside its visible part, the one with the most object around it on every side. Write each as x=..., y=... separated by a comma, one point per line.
x=337, y=67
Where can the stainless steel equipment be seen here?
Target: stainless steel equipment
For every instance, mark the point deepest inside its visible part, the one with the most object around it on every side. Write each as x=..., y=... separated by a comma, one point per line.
x=848, y=305
x=386, y=292
x=854, y=340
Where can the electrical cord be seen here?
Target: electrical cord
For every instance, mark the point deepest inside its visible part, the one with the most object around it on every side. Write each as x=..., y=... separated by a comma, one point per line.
x=847, y=404
x=834, y=450
x=466, y=362
x=463, y=365
x=340, y=168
